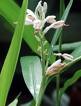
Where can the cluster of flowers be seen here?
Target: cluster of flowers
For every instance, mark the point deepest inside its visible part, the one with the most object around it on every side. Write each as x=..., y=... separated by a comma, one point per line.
x=38, y=20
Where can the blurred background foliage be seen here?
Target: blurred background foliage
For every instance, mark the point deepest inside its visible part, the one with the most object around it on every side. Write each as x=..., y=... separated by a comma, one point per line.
x=71, y=33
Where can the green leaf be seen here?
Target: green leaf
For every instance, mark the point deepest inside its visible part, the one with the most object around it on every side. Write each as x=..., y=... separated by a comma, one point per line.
x=68, y=46
x=77, y=55
x=9, y=65
x=70, y=81
x=9, y=10
x=30, y=38
x=58, y=31
x=77, y=52
x=14, y=103
x=32, y=73
x=62, y=8
x=64, y=17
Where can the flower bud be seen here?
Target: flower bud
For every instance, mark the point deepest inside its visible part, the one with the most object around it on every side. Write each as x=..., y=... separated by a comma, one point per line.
x=54, y=68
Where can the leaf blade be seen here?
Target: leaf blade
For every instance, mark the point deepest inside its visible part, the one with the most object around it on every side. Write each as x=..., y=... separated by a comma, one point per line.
x=32, y=73
x=70, y=81
x=9, y=65
x=58, y=31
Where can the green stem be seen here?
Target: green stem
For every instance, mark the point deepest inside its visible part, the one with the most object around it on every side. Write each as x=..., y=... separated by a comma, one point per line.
x=41, y=92
x=58, y=75
x=43, y=83
x=57, y=87
x=62, y=7
x=42, y=52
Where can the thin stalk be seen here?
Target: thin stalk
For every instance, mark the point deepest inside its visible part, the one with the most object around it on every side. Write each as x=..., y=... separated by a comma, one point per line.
x=41, y=36
x=58, y=75
x=57, y=89
x=43, y=83
x=42, y=57
x=62, y=7
x=41, y=92
x=58, y=78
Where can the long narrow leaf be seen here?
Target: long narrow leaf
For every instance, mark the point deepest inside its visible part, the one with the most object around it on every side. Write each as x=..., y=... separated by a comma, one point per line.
x=9, y=66
x=9, y=10
x=64, y=17
x=68, y=46
x=70, y=81
x=77, y=54
x=58, y=31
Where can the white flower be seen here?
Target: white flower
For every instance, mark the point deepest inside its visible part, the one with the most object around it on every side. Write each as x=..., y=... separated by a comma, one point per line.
x=38, y=19
x=66, y=56
x=55, y=67
x=55, y=25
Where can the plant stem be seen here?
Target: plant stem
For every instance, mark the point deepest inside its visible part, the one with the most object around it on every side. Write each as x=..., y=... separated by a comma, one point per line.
x=43, y=83
x=57, y=88
x=58, y=75
x=41, y=92
x=62, y=8
x=42, y=52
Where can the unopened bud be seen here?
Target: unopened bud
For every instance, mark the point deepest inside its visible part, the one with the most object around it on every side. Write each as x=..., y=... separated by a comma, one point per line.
x=54, y=68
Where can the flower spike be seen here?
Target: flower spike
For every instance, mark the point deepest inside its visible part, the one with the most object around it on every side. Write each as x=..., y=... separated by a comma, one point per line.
x=38, y=19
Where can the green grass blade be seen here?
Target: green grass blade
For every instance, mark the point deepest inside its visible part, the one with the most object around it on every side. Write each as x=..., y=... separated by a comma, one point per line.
x=67, y=46
x=62, y=7
x=9, y=10
x=64, y=17
x=58, y=31
x=77, y=55
x=70, y=81
x=9, y=66
x=77, y=52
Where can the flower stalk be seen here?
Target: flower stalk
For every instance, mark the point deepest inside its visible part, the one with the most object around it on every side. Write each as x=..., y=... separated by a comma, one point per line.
x=37, y=19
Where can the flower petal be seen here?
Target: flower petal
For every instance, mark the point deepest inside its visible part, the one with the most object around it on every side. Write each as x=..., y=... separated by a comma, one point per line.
x=67, y=56
x=38, y=10
x=37, y=25
x=28, y=22
x=50, y=19
x=45, y=7
x=54, y=64
x=55, y=67
x=55, y=25
x=30, y=13
x=58, y=24
x=41, y=10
